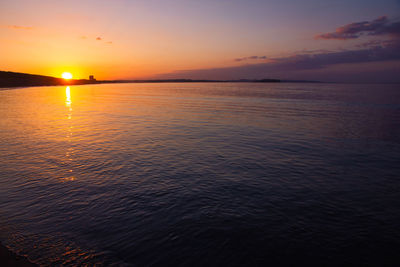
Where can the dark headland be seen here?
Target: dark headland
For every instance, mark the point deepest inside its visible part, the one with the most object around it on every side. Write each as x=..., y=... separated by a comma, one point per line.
x=16, y=79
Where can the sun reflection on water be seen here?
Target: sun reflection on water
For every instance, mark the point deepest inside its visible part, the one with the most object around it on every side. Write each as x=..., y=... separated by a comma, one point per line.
x=69, y=153
x=68, y=101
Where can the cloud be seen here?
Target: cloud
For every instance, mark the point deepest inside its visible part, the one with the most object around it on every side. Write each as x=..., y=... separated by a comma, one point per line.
x=375, y=60
x=379, y=26
x=83, y=37
x=322, y=60
x=250, y=58
x=313, y=63
x=17, y=27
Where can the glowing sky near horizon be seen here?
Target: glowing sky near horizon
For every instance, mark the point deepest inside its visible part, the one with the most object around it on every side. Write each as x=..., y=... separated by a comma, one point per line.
x=114, y=39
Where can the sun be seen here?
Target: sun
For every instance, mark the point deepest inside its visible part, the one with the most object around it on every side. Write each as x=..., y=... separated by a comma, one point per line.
x=66, y=75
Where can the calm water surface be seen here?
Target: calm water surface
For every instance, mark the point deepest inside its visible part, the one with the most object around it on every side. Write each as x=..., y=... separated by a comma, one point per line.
x=201, y=174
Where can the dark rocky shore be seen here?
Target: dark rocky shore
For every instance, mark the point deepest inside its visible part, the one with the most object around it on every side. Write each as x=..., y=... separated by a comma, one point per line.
x=10, y=259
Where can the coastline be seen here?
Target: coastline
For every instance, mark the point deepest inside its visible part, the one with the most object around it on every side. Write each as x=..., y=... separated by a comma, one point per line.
x=70, y=83
x=10, y=79
x=9, y=258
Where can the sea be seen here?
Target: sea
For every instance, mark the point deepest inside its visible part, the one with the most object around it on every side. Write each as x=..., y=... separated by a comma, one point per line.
x=201, y=174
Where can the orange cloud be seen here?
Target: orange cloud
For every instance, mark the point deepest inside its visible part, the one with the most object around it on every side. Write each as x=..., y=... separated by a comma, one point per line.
x=17, y=27
x=250, y=58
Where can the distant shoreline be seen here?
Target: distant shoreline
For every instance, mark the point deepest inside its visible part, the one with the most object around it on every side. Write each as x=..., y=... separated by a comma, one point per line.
x=16, y=79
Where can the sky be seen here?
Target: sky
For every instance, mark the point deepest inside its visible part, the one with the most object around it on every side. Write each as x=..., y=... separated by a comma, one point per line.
x=340, y=41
